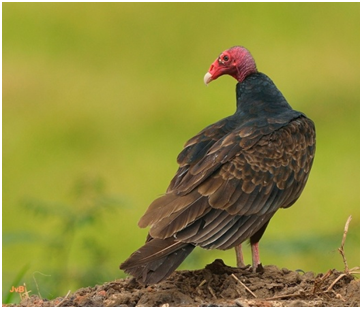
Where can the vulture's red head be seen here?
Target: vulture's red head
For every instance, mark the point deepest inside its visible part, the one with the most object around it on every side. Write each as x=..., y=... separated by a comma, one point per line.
x=236, y=62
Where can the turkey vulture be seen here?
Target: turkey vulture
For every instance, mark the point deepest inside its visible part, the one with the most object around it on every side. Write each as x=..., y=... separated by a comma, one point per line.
x=232, y=178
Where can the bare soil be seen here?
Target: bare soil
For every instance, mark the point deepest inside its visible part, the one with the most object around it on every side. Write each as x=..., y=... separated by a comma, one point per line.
x=218, y=285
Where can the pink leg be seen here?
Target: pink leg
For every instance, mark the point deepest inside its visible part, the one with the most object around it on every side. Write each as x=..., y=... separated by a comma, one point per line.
x=255, y=255
x=239, y=256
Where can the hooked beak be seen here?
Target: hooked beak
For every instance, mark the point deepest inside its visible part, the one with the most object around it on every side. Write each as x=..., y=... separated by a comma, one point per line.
x=207, y=78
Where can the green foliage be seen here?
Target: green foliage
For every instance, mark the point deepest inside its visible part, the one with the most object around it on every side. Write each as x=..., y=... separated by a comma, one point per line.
x=15, y=283
x=88, y=204
x=115, y=89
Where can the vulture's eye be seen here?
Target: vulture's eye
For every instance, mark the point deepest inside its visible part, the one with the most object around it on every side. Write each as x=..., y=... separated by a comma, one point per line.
x=225, y=58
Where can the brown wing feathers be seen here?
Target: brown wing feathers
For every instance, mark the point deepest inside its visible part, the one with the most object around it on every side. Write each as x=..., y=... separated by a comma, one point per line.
x=156, y=260
x=232, y=177
x=217, y=204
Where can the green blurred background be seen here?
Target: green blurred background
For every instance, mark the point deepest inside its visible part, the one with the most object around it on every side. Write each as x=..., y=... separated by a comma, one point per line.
x=98, y=100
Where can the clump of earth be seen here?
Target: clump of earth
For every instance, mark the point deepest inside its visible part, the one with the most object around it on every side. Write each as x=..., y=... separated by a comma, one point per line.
x=219, y=285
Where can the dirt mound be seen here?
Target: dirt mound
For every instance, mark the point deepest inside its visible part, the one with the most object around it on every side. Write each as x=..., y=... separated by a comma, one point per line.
x=220, y=285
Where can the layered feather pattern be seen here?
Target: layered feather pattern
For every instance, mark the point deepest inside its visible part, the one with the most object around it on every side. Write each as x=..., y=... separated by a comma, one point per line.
x=232, y=178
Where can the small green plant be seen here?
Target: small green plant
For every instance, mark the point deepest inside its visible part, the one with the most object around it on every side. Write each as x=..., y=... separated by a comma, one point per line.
x=71, y=223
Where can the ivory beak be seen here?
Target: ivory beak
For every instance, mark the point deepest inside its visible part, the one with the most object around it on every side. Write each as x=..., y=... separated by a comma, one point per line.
x=207, y=78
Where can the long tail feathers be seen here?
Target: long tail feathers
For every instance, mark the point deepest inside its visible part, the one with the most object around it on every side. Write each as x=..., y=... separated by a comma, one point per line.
x=156, y=260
